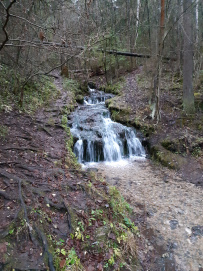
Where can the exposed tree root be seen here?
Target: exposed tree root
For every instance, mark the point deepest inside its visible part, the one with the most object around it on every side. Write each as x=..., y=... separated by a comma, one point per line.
x=62, y=206
x=5, y=232
x=68, y=216
x=46, y=248
x=25, y=137
x=20, y=148
x=5, y=195
x=46, y=131
x=30, y=229
x=12, y=177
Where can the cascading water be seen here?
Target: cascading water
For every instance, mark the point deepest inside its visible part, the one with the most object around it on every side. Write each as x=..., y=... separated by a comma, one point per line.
x=97, y=137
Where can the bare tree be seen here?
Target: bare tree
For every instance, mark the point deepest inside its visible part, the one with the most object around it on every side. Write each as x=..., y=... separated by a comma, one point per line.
x=188, y=93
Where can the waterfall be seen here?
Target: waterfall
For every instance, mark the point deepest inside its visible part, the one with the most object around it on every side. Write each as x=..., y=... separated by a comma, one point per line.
x=98, y=138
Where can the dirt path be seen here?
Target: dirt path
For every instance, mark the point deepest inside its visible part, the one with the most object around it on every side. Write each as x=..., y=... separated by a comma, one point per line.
x=172, y=208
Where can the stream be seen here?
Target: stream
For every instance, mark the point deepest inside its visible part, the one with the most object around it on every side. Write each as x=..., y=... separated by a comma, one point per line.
x=169, y=210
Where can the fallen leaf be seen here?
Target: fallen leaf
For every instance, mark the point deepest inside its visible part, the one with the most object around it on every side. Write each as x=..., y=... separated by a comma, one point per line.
x=99, y=267
x=3, y=248
x=112, y=236
x=90, y=268
x=62, y=263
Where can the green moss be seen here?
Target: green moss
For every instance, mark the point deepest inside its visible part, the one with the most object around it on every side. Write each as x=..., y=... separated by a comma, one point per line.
x=77, y=88
x=79, y=99
x=3, y=131
x=167, y=158
x=112, y=88
x=36, y=94
x=71, y=160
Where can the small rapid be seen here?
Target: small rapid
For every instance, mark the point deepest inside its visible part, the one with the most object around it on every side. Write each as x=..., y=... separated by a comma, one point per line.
x=98, y=138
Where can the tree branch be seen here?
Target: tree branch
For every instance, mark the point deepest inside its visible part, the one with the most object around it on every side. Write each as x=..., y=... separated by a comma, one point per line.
x=6, y=22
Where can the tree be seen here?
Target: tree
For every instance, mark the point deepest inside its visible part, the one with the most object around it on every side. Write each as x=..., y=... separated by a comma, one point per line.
x=157, y=78
x=188, y=93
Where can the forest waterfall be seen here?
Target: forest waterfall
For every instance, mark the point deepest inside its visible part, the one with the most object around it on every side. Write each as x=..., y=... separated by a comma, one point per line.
x=98, y=138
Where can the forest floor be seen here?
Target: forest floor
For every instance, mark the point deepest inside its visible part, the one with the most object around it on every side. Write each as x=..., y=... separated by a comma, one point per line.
x=40, y=186
x=53, y=213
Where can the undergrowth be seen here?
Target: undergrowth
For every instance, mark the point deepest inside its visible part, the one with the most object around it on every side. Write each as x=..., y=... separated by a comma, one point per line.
x=106, y=230
x=37, y=93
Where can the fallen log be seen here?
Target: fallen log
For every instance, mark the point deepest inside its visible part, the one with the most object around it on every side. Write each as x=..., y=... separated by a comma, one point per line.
x=111, y=52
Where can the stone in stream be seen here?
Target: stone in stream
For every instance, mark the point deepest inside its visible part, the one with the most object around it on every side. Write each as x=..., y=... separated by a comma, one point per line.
x=173, y=224
x=197, y=230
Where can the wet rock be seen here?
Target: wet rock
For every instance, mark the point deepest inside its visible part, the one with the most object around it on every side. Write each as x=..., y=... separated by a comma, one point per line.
x=92, y=85
x=197, y=230
x=92, y=169
x=171, y=246
x=173, y=224
x=79, y=99
x=151, y=212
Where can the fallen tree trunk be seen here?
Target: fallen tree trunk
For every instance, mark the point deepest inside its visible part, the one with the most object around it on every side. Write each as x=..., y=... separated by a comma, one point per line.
x=111, y=52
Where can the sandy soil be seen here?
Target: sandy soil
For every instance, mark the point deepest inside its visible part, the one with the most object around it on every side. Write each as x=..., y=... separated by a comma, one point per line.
x=172, y=209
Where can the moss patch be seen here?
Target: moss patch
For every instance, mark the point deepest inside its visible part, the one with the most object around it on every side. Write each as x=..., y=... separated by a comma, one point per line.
x=167, y=158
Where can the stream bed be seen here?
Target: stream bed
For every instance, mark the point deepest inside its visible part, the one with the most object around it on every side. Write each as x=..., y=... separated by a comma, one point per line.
x=170, y=210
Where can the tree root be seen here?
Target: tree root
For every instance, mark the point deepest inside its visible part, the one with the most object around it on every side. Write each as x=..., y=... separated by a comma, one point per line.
x=62, y=206
x=9, y=176
x=20, y=149
x=46, y=131
x=46, y=248
x=5, y=232
x=25, y=213
x=68, y=216
x=5, y=195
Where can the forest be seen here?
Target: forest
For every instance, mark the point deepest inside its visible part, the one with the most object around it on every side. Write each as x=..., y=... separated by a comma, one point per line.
x=101, y=135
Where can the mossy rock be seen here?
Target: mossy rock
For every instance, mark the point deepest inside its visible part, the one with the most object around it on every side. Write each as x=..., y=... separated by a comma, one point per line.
x=145, y=128
x=79, y=99
x=114, y=104
x=112, y=88
x=167, y=158
x=183, y=144
x=173, y=145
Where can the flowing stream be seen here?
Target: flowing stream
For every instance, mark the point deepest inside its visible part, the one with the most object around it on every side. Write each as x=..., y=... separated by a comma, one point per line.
x=98, y=138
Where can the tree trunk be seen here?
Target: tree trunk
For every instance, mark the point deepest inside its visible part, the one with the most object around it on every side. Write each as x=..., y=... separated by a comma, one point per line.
x=197, y=21
x=188, y=93
x=155, y=99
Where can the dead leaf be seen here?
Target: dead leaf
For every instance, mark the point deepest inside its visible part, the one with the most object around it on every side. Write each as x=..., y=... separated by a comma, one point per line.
x=3, y=248
x=62, y=263
x=99, y=267
x=90, y=268
x=112, y=236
